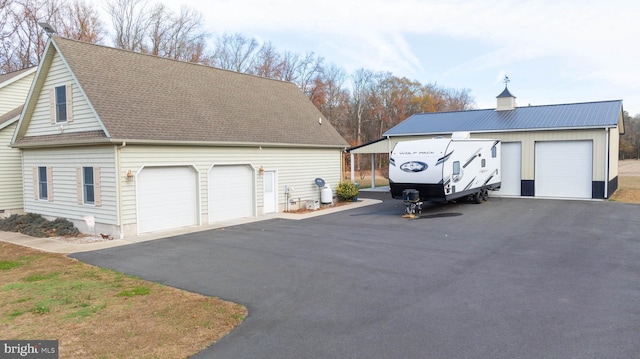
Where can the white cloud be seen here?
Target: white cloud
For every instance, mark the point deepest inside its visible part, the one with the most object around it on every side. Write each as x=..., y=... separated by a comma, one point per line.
x=592, y=41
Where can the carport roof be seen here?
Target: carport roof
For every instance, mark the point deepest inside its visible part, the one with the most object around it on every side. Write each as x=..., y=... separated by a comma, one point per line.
x=601, y=114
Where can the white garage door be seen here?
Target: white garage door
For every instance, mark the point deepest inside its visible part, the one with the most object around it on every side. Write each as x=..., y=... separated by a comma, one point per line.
x=563, y=169
x=166, y=197
x=230, y=192
x=511, y=177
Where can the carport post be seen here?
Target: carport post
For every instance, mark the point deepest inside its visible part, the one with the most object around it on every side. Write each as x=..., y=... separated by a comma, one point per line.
x=353, y=177
x=373, y=170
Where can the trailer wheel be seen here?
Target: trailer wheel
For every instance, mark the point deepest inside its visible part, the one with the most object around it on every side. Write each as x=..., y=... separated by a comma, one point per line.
x=485, y=194
x=477, y=197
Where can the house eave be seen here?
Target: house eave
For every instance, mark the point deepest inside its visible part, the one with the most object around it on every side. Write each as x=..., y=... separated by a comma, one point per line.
x=505, y=130
x=221, y=144
x=119, y=142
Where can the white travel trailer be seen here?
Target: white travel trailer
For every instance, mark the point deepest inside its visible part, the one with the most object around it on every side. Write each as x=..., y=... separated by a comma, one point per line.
x=444, y=169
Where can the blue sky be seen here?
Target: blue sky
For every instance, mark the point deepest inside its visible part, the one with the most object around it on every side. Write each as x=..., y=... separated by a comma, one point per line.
x=554, y=51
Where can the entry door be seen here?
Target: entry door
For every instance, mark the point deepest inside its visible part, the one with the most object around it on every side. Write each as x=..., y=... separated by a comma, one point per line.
x=270, y=193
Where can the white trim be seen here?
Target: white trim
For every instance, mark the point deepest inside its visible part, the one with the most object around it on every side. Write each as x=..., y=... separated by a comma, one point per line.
x=607, y=153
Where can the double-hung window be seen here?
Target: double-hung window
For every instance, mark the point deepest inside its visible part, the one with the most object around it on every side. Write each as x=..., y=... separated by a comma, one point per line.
x=88, y=185
x=61, y=104
x=43, y=184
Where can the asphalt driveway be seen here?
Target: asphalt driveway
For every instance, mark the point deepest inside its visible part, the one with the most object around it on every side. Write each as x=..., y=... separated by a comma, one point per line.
x=510, y=278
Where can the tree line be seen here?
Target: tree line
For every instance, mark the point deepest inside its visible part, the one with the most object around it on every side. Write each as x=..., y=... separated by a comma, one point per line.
x=630, y=141
x=361, y=106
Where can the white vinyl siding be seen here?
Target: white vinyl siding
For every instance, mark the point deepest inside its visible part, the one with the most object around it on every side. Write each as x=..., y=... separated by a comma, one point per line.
x=64, y=163
x=15, y=93
x=563, y=169
x=297, y=167
x=10, y=172
x=79, y=112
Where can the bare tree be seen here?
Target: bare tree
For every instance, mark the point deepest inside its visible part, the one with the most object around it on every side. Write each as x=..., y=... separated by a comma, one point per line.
x=23, y=41
x=176, y=37
x=130, y=22
x=77, y=20
x=301, y=71
x=335, y=106
x=268, y=62
x=235, y=52
x=362, y=84
x=159, y=28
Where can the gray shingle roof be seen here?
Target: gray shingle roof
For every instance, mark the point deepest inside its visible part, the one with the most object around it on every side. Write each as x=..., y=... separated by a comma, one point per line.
x=577, y=115
x=8, y=76
x=13, y=114
x=143, y=97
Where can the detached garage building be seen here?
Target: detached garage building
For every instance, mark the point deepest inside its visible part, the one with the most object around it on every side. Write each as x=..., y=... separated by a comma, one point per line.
x=137, y=143
x=558, y=151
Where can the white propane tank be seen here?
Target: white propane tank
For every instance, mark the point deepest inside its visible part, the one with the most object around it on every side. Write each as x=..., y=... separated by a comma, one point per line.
x=326, y=195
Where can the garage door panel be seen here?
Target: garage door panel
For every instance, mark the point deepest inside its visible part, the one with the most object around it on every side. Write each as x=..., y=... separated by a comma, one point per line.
x=166, y=197
x=563, y=169
x=511, y=164
x=231, y=192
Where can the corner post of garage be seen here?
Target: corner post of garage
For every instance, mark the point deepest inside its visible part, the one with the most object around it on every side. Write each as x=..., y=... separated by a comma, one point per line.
x=606, y=163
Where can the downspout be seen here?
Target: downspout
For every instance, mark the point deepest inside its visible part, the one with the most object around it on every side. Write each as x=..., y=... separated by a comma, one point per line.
x=606, y=163
x=118, y=191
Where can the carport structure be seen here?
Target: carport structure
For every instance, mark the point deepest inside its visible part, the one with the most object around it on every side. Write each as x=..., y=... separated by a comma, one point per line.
x=556, y=151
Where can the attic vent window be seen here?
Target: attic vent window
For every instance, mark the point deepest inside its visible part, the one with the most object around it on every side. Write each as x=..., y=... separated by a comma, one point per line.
x=61, y=104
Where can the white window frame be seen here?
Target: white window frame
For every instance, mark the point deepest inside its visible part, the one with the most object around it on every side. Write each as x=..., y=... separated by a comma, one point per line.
x=43, y=183
x=60, y=105
x=86, y=186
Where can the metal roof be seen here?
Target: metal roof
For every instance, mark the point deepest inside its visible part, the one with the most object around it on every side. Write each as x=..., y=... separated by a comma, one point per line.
x=565, y=116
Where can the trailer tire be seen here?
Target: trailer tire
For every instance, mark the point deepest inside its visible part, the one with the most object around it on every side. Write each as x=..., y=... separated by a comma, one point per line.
x=477, y=197
x=485, y=194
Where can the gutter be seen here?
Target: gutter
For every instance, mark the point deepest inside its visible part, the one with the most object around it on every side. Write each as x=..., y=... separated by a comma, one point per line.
x=119, y=142
x=505, y=130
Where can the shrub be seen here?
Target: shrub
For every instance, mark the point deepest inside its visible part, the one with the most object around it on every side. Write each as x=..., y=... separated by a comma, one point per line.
x=347, y=191
x=37, y=226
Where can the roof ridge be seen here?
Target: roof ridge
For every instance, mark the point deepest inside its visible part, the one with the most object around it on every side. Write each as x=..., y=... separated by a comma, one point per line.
x=569, y=104
x=56, y=37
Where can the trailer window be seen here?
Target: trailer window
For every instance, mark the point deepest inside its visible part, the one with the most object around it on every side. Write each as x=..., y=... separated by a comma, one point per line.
x=456, y=168
x=484, y=163
x=494, y=152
